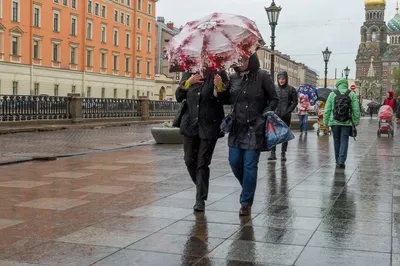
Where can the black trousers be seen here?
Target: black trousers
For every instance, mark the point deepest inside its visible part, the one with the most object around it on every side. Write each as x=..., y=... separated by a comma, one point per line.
x=287, y=121
x=198, y=155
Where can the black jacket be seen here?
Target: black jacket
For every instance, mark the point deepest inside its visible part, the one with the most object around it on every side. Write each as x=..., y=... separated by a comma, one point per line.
x=204, y=112
x=255, y=94
x=288, y=100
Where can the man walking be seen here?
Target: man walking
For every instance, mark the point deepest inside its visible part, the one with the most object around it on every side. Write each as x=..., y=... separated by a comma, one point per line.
x=287, y=103
x=342, y=112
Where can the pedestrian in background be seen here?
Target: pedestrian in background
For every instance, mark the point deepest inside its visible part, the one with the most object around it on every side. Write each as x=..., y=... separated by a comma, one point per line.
x=303, y=111
x=390, y=100
x=252, y=90
x=398, y=110
x=200, y=126
x=342, y=112
x=287, y=103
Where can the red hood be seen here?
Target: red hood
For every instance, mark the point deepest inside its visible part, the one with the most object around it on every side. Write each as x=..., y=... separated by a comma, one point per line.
x=391, y=94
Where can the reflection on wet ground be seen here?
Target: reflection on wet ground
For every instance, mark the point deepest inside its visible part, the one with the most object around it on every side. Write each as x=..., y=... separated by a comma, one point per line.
x=133, y=207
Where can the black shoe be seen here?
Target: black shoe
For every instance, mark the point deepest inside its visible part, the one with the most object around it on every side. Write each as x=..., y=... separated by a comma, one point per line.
x=272, y=157
x=245, y=210
x=200, y=206
x=340, y=166
x=283, y=157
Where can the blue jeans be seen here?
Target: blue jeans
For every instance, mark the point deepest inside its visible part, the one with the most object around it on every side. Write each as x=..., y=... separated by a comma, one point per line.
x=303, y=122
x=341, y=136
x=244, y=164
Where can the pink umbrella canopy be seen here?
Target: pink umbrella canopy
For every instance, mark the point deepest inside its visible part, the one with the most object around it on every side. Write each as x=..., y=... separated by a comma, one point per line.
x=214, y=42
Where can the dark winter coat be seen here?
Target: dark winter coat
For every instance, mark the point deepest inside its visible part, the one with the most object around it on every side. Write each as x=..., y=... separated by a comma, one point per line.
x=287, y=98
x=204, y=112
x=255, y=94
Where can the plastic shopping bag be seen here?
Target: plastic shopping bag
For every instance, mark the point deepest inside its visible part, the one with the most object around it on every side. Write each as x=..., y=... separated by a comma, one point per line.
x=276, y=131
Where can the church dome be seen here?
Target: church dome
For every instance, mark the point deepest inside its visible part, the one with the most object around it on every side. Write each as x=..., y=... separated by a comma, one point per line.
x=394, y=23
x=375, y=3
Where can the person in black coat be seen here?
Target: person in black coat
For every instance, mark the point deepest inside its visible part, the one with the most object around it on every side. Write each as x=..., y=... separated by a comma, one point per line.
x=200, y=126
x=288, y=101
x=254, y=94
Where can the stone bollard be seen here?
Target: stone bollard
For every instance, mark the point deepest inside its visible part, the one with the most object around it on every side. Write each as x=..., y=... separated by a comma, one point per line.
x=144, y=109
x=76, y=107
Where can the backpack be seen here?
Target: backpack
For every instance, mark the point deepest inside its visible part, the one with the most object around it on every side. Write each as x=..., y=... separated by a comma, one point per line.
x=342, y=110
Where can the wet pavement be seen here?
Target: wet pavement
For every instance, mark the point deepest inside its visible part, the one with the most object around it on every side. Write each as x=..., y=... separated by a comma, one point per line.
x=133, y=207
x=25, y=146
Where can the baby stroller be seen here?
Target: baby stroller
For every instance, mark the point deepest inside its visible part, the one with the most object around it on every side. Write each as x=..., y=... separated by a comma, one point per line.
x=385, y=116
x=321, y=127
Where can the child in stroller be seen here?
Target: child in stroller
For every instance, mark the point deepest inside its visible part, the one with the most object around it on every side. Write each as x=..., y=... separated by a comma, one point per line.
x=385, y=117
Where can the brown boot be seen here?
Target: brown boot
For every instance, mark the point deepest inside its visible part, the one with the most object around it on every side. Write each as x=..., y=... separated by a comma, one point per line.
x=245, y=210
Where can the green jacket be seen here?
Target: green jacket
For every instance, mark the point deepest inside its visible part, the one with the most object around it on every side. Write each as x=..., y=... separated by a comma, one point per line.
x=342, y=85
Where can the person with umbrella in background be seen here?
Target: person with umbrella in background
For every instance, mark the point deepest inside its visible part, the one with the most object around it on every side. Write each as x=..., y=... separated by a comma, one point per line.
x=287, y=103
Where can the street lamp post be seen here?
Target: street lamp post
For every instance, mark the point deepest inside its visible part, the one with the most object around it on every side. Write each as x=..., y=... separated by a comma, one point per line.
x=347, y=72
x=327, y=55
x=273, y=15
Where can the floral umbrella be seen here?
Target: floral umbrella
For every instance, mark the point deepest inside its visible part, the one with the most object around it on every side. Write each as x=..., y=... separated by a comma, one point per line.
x=310, y=91
x=214, y=42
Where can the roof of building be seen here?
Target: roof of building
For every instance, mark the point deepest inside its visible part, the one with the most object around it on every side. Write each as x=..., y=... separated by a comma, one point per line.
x=161, y=23
x=375, y=3
x=394, y=23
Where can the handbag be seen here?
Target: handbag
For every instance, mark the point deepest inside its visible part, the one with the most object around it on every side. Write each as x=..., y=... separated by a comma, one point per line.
x=179, y=114
x=227, y=121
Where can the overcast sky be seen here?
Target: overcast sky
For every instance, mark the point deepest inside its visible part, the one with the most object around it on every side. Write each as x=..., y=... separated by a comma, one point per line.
x=305, y=27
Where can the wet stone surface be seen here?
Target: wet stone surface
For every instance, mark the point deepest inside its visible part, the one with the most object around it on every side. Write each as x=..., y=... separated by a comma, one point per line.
x=134, y=206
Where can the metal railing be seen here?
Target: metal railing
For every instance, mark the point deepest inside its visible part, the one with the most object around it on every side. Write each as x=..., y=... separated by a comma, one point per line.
x=163, y=108
x=110, y=108
x=25, y=108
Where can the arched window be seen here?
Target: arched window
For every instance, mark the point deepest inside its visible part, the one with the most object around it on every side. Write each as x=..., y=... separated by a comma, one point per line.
x=374, y=36
x=162, y=94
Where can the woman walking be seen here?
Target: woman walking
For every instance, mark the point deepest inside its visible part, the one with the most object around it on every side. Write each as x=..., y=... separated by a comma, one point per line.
x=303, y=111
x=398, y=110
x=200, y=126
x=252, y=93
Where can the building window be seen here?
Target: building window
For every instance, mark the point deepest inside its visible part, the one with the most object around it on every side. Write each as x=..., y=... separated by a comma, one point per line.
x=116, y=15
x=89, y=30
x=127, y=64
x=138, y=63
x=65, y=2
x=55, y=52
x=139, y=43
x=103, y=60
x=103, y=11
x=148, y=68
x=15, y=46
x=89, y=7
x=56, y=90
x=97, y=9
x=149, y=45
x=73, y=26
x=56, y=21
x=115, y=93
x=115, y=36
x=36, y=17
x=139, y=4
x=15, y=11
x=56, y=1
x=122, y=18
x=122, y=1
x=73, y=89
x=128, y=2
x=15, y=87
x=103, y=92
x=127, y=94
x=128, y=19
x=139, y=23
x=36, y=49
x=88, y=92
x=73, y=55
x=149, y=9
x=89, y=58
x=128, y=40
x=73, y=4
x=115, y=62
x=36, y=89
x=148, y=27
x=103, y=33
